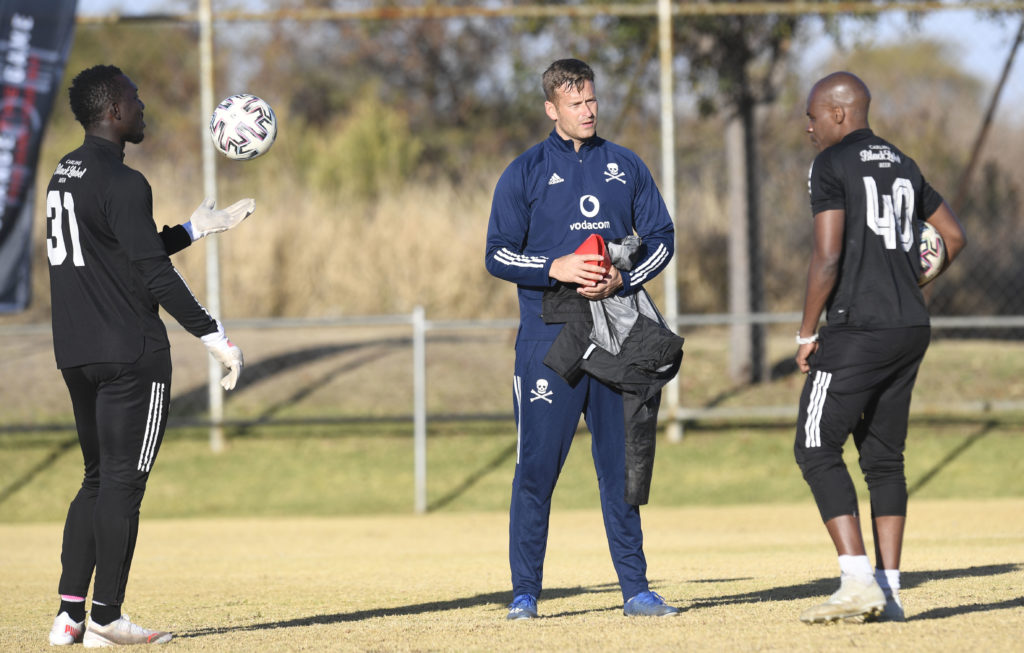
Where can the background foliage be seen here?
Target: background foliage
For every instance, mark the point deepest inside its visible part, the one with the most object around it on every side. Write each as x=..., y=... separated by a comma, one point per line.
x=392, y=133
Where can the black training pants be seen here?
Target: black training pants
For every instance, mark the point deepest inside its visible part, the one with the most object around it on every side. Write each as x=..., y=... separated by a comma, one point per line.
x=121, y=413
x=860, y=382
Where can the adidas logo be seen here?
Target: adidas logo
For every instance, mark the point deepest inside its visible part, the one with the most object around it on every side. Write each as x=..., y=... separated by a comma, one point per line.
x=555, y=179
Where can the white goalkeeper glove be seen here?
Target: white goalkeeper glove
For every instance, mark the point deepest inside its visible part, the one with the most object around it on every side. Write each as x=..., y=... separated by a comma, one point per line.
x=226, y=353
x=208, y=220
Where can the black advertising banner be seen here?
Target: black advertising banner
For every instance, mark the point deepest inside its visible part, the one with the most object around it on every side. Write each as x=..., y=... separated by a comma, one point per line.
x=35, y=37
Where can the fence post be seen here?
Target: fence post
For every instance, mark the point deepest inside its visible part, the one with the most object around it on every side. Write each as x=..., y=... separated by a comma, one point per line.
x=668, y=189
x=419, y=407
x=214, y=392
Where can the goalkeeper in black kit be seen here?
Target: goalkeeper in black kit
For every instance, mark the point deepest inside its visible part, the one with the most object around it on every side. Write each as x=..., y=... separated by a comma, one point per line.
x=109, y=274
x=868, y=199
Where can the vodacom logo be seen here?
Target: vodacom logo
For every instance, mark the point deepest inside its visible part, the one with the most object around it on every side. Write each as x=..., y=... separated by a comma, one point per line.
x=590, y=206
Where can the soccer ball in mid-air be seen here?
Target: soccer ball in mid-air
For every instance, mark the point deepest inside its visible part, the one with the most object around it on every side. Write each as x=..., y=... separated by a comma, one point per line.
x=933, y=253
x=243, y=127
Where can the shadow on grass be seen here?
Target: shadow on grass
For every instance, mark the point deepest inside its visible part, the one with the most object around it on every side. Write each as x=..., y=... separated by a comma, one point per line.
x=823, y=587
x=500, y=460
x=943, y=613
x=193, y=402
x=53, y=456
x=301, y=393
x=779, y=370
x=950, y=457
x=497, y=600
x=804, y=591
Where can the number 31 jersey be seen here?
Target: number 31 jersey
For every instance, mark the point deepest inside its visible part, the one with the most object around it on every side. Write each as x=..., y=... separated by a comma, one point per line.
x=882, y=192
x=99, y=225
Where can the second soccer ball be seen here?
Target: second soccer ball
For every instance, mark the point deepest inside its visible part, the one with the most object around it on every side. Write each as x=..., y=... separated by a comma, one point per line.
x=933, y=253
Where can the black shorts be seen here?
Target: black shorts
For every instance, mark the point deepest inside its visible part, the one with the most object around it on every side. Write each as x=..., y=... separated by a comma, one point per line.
x=860, y=379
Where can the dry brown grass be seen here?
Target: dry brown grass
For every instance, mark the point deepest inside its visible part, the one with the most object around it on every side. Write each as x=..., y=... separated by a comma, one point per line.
x=310, y=252
x=741, y=574
x=319, y=254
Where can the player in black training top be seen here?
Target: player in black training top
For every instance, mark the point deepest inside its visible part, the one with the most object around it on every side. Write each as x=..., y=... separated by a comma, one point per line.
x=109, y=273
x=865, y=196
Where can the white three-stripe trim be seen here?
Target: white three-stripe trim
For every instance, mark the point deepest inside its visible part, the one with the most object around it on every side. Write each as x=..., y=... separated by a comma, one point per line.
x=819, y=391
x=156, y=403
x=517, y=390
x=644, y=270
x=192, y=293
x=508, y=257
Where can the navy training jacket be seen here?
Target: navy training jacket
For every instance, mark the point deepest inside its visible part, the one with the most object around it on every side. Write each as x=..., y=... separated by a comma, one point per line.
x=550, y=198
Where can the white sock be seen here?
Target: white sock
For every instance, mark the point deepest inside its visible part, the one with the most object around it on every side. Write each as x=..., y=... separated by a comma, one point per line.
x=858, y=567
x=889, y=580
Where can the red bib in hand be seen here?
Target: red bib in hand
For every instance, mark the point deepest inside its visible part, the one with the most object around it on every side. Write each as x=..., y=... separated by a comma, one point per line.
x=594, y=244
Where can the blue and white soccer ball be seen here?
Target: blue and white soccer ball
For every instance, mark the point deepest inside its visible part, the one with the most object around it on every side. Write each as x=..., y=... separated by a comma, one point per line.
x=243, y=127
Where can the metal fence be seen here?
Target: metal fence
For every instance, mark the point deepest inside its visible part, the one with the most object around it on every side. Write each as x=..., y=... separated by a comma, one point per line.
x=417, y=374
x=993, y=287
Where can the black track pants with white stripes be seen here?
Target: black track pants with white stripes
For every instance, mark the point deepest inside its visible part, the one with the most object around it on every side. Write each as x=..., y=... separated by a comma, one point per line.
x=860, y=382
x=121, y=413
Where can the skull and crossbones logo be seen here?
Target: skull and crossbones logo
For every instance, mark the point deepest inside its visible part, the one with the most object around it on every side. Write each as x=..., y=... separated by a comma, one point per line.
x=541, y=391
x=613, y=173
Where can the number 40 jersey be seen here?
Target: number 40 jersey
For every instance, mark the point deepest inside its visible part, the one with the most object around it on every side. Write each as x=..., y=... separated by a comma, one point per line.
x=882, y=192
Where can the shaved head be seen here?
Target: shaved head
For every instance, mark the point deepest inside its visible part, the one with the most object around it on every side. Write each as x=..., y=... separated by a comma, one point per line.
x=845, y=90
x=837, y=105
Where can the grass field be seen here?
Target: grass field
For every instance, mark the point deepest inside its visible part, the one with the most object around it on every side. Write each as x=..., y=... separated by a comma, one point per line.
x=306, y=543
x=742, y=574
x=301, y=537
x=267, y=474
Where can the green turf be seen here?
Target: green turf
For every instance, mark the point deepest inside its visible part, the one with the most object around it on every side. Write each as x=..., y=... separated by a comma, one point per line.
x=368, y=469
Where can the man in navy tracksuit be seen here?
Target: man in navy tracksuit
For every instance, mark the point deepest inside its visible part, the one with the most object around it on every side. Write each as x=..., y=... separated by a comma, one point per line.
x=546, y=203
